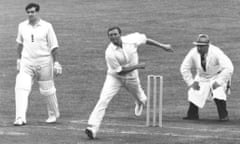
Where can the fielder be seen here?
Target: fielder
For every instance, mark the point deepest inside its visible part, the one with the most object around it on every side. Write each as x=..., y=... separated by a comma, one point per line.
x=37, y=59
x=212, y=80
x=122, y=62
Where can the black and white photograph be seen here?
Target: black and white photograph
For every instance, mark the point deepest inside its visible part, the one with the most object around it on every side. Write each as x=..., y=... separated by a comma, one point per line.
x=119, y=72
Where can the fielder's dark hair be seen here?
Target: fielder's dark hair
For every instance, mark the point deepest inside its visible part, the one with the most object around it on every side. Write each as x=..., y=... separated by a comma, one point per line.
x=113, y=28
x=31, y=5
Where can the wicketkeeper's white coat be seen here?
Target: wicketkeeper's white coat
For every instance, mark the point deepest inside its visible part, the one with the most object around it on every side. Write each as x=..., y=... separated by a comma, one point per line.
x=219, y=68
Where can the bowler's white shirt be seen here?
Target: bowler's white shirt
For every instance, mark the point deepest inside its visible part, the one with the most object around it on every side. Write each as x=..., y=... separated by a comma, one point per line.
x=117, y=57
x=38, y=41
x=217, y=65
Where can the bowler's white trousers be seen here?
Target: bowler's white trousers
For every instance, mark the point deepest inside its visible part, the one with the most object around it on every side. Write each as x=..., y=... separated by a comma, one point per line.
x=199, y=97
x=110, y=88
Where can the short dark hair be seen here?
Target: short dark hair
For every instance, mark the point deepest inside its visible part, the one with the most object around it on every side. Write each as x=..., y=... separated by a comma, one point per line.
x=113, y=28
x=31, y=5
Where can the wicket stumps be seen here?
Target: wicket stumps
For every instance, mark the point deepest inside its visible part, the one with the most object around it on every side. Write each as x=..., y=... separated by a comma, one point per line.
x=154, y=100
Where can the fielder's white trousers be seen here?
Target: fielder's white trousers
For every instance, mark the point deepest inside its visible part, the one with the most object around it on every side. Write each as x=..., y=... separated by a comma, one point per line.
x=199, y=97
x=110, y=88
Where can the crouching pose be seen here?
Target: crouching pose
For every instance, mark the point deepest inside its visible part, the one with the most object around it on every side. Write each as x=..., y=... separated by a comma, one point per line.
x=212, y=80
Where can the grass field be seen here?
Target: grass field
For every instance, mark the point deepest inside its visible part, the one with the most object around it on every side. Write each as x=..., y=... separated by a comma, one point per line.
x=81, y=29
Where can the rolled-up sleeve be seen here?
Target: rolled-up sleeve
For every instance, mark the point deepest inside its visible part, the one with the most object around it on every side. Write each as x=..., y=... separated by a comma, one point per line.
x=140, y=38
x=52, y=38
x=136, y=38
x=19, y=38
x=185, y=68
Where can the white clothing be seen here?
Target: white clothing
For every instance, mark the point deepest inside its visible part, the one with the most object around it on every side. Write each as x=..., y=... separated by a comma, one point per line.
x=24, y=81
x=36, y=63
x=111, y=87
x=116, y=58
x=38, y=41
x=206, y=92
x=219, y=68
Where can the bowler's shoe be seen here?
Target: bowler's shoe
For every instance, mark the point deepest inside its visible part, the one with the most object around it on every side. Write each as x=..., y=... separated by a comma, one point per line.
x=225, y=119
x=138, y=109
x=191, y=118
x=90, y=133
x=51, y=119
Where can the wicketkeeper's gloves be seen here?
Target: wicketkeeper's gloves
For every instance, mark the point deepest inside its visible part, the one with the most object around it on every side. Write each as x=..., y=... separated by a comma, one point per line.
x=57, y=68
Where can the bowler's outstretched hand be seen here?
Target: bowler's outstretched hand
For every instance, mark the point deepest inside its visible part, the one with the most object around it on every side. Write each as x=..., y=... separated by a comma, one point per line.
x=168, y=48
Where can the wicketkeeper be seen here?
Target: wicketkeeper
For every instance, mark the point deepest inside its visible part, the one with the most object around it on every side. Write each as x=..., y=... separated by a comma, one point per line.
x=212, y=81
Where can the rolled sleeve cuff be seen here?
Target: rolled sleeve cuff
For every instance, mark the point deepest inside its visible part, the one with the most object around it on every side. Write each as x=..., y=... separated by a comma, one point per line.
x=141, y=39
x=53, y=47
x=144, y=39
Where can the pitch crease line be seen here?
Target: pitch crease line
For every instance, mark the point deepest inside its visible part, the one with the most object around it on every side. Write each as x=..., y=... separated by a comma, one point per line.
x=167, y=127
x=141, y=133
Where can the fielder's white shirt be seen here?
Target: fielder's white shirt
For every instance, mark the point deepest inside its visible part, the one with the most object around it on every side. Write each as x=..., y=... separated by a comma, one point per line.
x=38, y=41
x=117, y=57
x=217, y=65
